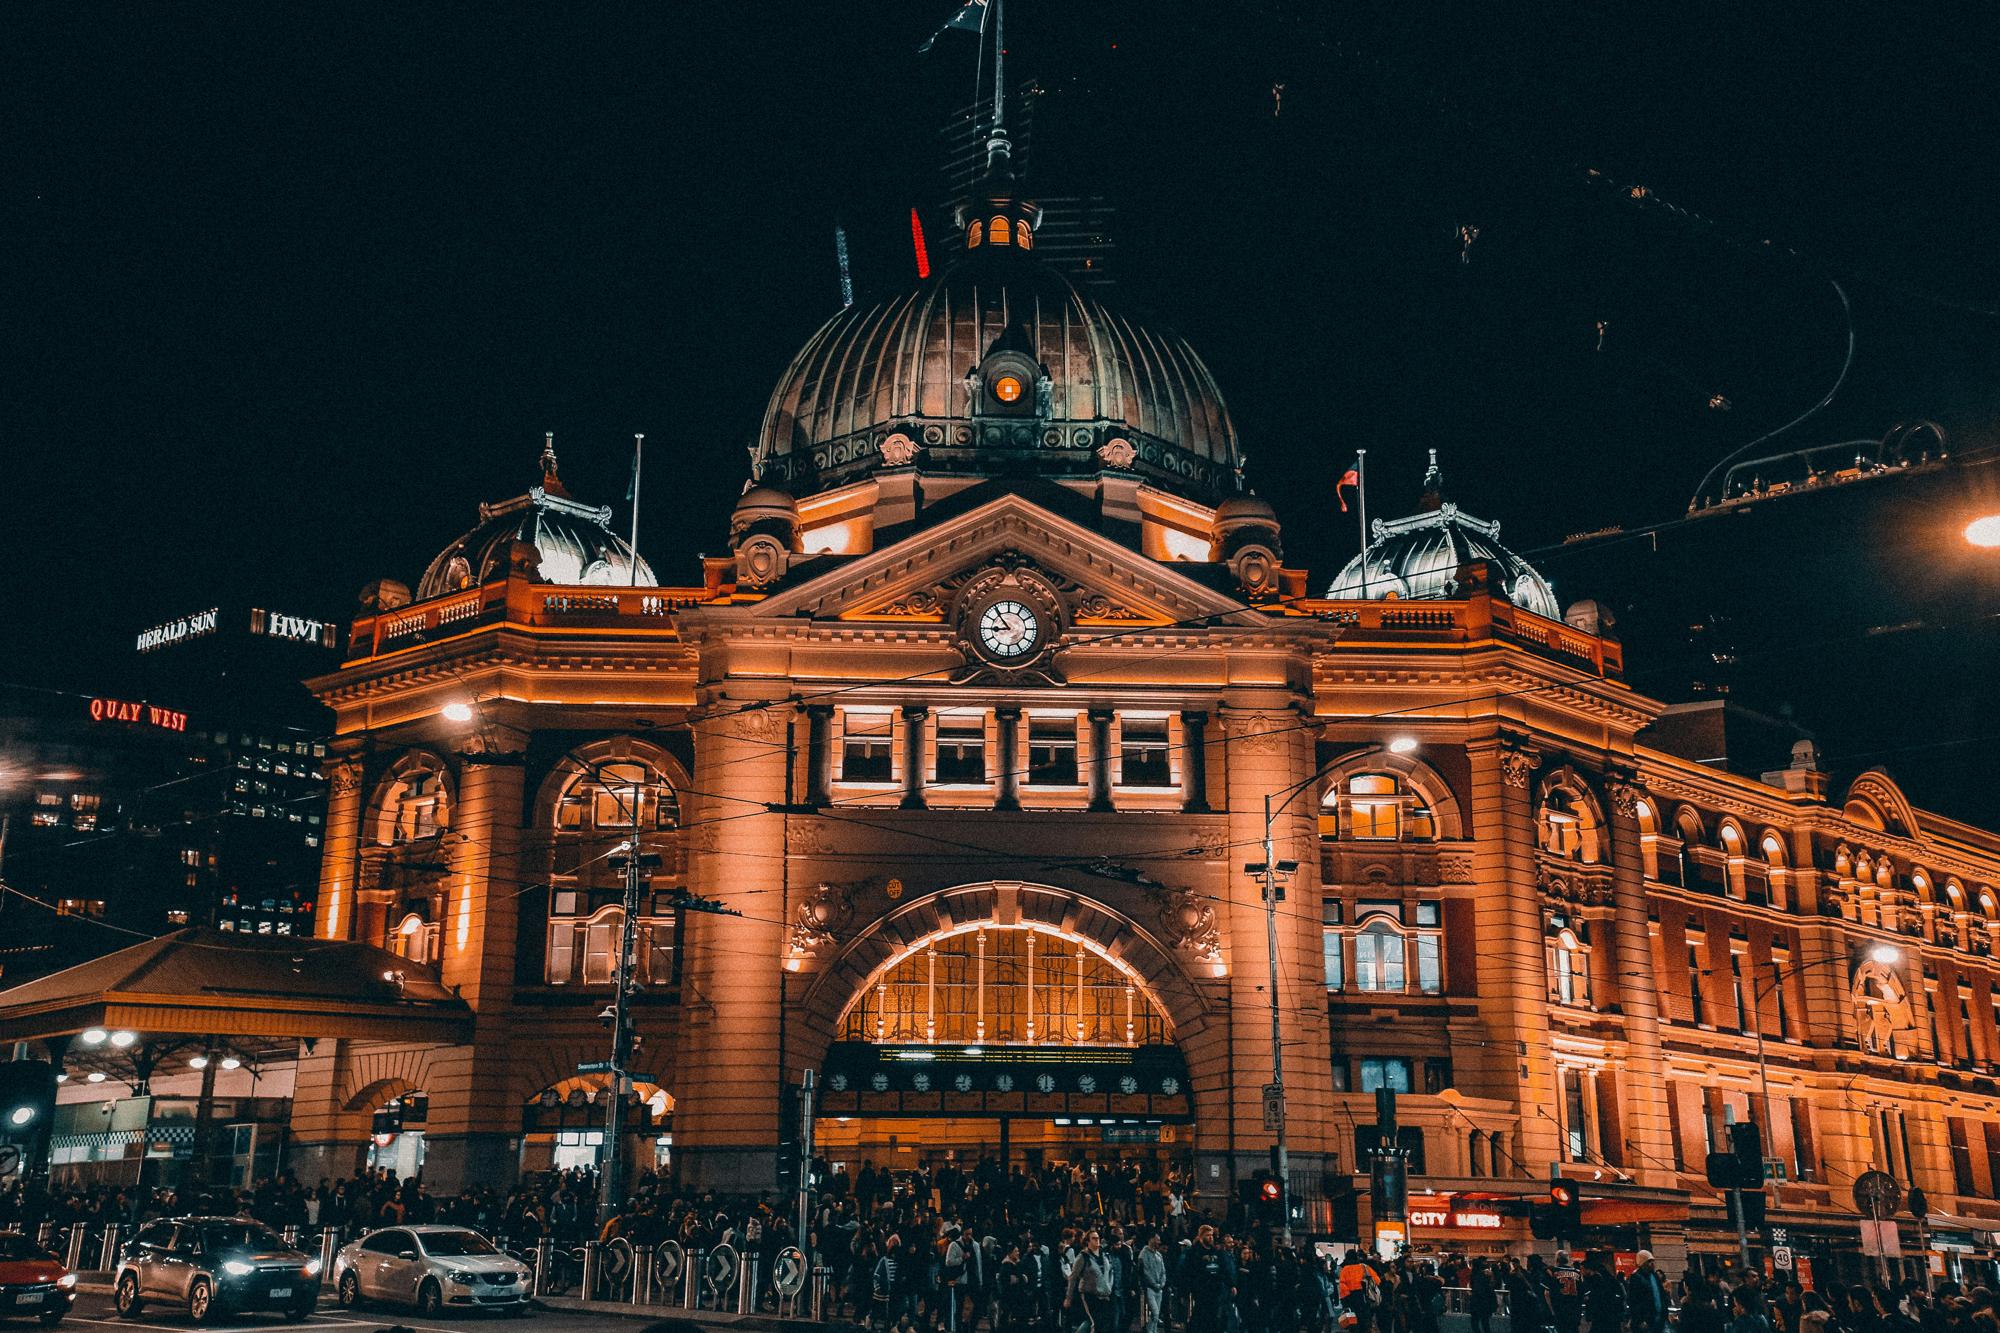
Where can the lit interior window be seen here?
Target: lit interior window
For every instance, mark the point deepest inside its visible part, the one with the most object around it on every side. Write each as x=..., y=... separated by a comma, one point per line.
x=1007, y=388
x=975, y=234
x=999, y=233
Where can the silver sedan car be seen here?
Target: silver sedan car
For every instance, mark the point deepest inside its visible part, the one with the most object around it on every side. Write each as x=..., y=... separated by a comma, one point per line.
x=433, y=1268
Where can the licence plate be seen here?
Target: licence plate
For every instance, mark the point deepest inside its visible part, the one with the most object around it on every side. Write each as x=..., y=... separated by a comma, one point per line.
x=279, y=1293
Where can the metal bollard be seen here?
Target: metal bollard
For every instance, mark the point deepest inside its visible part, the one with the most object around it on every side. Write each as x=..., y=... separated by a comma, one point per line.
x=692, y=1268
x=329, y=1245
x=746, y=1284
x=641, y=1290
x=591, y=1264
x=108, y=1257
x=77, y=1234
x=545, y=1257
x=290, y=1235
x=44, y=1235
x=822, y=1287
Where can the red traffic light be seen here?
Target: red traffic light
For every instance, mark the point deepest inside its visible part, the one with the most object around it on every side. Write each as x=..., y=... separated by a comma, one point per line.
x=1562, y=1194
x=1269, y=1190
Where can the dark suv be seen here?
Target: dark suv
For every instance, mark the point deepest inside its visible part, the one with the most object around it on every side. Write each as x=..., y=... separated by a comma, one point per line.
x=215, y=1265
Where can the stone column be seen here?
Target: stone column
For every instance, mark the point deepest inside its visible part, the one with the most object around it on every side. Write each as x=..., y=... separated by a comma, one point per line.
x=1649, y=1149
x=913, y=755
x=1100, y=759
x=1516, y=1064
x=729, y=1065
x=1269, y=752
x=819, y=754
x=1007, y=775
x=475, y=1112
x=340, y=866
x=1194, y=762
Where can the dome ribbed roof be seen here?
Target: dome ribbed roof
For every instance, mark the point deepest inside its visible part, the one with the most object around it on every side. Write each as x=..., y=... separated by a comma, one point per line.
x=901, y=367
x=574, y=541
x=1419, y=557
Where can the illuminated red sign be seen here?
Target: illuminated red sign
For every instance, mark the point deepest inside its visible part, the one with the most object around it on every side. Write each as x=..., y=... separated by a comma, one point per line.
x=126, y=710
x=1452, y=1213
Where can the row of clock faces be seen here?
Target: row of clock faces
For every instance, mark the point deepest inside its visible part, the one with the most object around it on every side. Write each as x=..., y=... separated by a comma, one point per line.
x=921, y=1081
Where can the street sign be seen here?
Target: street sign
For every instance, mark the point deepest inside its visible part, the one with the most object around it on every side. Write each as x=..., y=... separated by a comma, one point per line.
x=1781, y=1257
x=1274, y=1105
x=10, y=1160
x=595, y=1067
x=788, y=1271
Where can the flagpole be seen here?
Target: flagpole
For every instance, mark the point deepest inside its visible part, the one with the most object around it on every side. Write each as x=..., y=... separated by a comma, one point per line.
x=1361, y=508
x=638, y=454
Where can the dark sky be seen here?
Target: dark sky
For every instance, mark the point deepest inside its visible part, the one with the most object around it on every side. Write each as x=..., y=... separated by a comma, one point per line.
x=289, y=289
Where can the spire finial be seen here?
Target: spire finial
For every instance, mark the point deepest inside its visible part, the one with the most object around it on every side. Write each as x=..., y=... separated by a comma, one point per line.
x=998, y=150
x=551, y=482
x=1433, y=497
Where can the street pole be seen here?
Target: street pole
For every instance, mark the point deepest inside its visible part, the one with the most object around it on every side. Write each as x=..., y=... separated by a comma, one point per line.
x=621, y=1023
x=1742, y=1232
x=805, y=1164
x=1277, y=1032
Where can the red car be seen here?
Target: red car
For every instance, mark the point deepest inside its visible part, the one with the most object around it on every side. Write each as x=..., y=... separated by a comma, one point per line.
x=33, y=1282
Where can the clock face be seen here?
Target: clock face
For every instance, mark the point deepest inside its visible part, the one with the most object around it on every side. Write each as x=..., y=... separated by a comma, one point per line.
x=1009, y=630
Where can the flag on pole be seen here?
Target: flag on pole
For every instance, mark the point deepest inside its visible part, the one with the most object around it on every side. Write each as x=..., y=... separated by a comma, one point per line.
x=1351, y=477
x=971, y=17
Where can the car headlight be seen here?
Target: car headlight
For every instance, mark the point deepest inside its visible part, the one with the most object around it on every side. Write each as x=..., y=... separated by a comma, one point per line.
x=237, y=1268
x=312, y=1268
x=463, y=1279
x=66, y=1280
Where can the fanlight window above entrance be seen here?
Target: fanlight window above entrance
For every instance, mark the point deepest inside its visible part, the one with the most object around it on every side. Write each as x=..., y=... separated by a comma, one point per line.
x=1006, y=985
x=617, y=796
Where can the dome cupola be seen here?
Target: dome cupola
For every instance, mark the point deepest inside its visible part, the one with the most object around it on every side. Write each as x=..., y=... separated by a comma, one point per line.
x=570, y=542
x=1420, y=556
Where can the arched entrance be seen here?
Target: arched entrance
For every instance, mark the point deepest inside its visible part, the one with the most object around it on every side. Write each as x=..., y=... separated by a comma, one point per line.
x=396, y=1135
x=563, y=1125
x=1013, y=1024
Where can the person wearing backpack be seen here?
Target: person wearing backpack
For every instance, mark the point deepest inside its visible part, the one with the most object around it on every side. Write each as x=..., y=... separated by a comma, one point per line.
x=889, y=1286
x=1087, y=1303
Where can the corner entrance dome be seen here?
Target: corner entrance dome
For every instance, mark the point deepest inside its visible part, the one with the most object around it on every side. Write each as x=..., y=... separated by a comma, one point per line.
x=1419, y=557
x=997, y=366
x=573, y=540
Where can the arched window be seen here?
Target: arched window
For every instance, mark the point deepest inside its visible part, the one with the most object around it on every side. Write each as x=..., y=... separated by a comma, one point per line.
x=599, y=805
x=999, y=232
x=1569, y=964
x=616, y=796
x=1772, y=849
x=1730, y=838
x=1569, y=827
x=1379, y=958
x=1394, y=943
x=975, y=234
x=1649, y=839
x=414, y=806
x=1377, y=807
x=1023, y=237
x=416, y=939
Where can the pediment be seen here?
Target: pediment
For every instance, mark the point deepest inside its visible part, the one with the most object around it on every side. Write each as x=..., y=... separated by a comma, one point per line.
x=917, y=579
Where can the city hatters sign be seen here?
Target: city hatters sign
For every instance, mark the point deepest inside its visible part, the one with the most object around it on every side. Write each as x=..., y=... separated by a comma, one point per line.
x=177, y=631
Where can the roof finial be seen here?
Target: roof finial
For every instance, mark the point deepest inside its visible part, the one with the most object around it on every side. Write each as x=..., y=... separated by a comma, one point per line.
x=1433, y=497
x=551, y=483
x=998, y=150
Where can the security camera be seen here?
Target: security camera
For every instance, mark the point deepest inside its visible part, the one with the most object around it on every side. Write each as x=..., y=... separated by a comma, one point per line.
x=609, y=1016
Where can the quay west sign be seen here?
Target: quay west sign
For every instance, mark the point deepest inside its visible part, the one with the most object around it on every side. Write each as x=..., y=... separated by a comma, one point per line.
x=177, y=631
x=127, y=710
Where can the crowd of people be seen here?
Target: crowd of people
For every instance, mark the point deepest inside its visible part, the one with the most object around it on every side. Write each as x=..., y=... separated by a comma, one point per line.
x=1058, y=1248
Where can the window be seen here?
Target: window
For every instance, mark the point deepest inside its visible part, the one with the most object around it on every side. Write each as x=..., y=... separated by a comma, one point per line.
x=1392, y=1072
x=1142, y=752
x=415, y=939
x=1568, y=829
x=961, y=748
x=999, y=232
x=1023, y=238
x=616, y=796
x=1333, y=944
x=1377, y=807
x=414, y=808
x=601, y=936
x=1437, y=1074
x=1379, y=958
x=976, y=235
x=1343, y=1074
x=866, y=753
x=1696, y=1010
x=1569, y=963
x=1052, y=751
x=1576, y=1119
x=1373, y=818
x=1736, y=991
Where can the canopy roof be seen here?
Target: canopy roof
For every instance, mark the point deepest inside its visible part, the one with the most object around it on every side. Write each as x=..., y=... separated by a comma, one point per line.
x=214, y=983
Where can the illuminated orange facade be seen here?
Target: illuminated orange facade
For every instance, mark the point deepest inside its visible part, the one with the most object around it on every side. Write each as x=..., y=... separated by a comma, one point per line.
x=976, y=728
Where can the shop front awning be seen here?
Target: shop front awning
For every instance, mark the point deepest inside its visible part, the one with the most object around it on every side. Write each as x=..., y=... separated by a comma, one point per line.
x=1149, y=1083
x=265, y=990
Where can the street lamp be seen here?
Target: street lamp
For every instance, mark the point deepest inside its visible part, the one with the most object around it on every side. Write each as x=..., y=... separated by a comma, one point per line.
x=457, y=711
x=1984, y=531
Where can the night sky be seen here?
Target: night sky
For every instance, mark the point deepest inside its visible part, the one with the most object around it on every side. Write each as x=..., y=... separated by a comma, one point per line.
x=290, y=289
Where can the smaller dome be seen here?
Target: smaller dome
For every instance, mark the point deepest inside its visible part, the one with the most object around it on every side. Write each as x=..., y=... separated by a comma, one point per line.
x=1419, y=557
x=573, y=540
x=1246, y=508
x=760, y=501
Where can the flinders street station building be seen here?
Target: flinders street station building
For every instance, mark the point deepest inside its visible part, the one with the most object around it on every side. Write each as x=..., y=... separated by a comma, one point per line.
x=958, y=782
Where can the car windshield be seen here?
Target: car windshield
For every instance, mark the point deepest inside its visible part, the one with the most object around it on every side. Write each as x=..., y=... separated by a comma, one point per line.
x=450, y=1244
x=14, y=1248
x=241, y=1236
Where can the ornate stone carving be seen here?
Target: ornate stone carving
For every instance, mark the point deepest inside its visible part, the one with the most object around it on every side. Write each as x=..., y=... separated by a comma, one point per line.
x=1260, y=733
x=1518, y=764
x=1187, y=923
x=821, y=917
x=1454, y=869
x=345, y=778
x=807, y=837
x=1624, y=797
x=1096, y=606
x=1573, y=885
x=1117, y=452
x=899, y=450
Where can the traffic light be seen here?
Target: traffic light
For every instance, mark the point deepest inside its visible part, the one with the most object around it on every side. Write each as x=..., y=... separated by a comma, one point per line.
x=27, y=1110
x=1566, y=1209
x=1263, y=1199
x=1746, y=1145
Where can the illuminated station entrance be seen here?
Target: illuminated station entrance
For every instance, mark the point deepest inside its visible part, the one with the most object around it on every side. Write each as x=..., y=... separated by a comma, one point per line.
x=1022, y=1043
